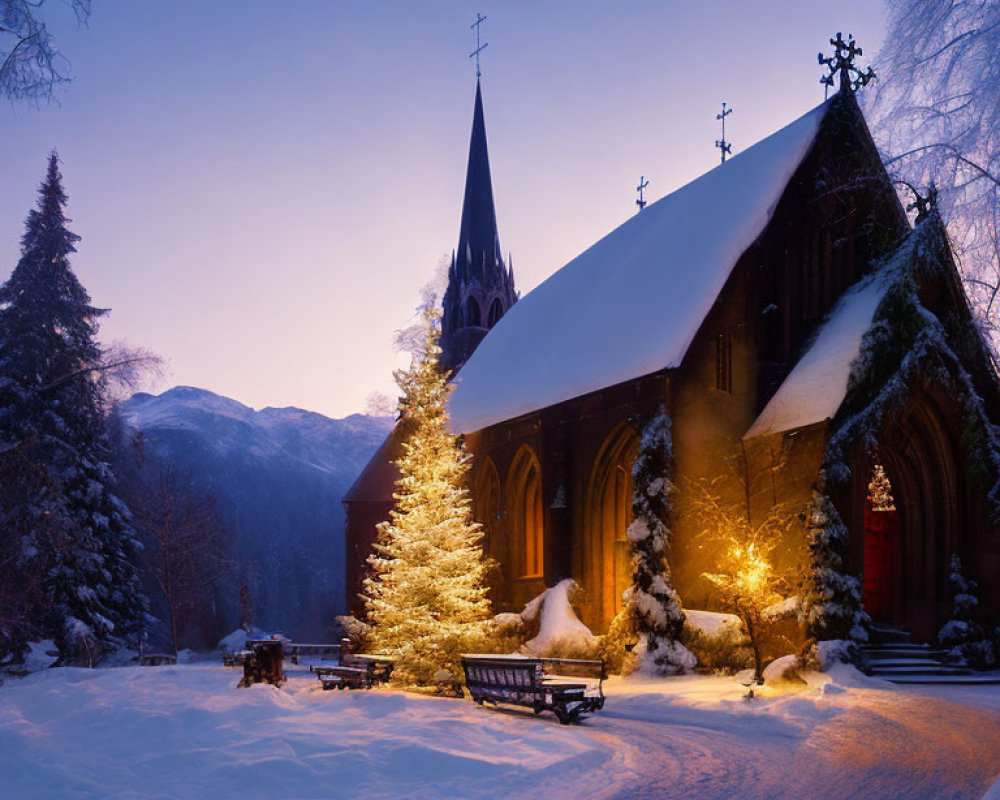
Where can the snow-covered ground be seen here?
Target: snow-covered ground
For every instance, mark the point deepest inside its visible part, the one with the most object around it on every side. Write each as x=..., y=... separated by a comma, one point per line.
x=186, y=732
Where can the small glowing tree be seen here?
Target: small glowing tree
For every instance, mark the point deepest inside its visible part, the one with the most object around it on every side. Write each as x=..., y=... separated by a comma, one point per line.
x=426, y=597
x=745, y=578
x=748, y=585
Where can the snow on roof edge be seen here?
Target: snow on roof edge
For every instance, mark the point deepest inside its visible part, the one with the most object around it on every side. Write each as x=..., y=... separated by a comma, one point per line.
x=630, y=304
x=817, y=385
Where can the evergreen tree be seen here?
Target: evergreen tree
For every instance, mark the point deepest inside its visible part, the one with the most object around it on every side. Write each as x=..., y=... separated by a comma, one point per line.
x=426, y=598
x=51, y=405
x=962, y=634
x=651, y=602
x=830, y=603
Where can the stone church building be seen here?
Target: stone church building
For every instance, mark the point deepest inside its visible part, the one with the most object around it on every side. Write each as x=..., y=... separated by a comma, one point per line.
x=740, y=303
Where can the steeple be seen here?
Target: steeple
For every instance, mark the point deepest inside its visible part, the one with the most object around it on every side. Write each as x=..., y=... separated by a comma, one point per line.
x=478, y=235
x=480, y=286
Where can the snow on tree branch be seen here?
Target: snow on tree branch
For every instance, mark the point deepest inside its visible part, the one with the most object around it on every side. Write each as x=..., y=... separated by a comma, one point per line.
x=936, y=117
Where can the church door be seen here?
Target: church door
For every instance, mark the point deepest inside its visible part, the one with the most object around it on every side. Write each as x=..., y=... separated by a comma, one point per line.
x=881, y=542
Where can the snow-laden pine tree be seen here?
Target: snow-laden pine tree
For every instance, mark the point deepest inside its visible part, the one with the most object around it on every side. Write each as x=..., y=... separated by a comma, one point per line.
x=651, y=602
x=51, y=407
x=962, y=634
x=830, y=602
x=426, y=598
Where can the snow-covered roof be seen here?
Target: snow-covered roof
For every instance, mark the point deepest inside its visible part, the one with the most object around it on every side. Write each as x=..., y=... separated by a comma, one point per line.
x=817, y=384
x=630, y=304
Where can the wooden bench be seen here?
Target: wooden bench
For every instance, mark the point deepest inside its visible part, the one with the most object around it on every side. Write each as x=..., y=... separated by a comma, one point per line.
x=234, y=658
x=157, y=659
x=296, y=651
x=355, y=672
x=537, y=683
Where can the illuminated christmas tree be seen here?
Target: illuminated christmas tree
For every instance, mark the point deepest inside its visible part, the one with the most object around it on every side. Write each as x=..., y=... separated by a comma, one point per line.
x=426, y=598
x=880, y=491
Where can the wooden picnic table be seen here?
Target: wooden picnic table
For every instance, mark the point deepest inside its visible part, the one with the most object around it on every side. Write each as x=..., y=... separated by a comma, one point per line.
x=355, y=671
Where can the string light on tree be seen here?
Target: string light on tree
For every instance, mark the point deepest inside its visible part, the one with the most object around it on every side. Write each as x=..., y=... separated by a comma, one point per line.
x=426, y=598
x=880, y=491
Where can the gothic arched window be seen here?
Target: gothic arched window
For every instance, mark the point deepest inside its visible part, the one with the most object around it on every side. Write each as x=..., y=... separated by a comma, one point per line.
x=527, y=540
x=486, y=506
x=486, y=511
x=496, y=311
x=609, y=571
x=472, y=317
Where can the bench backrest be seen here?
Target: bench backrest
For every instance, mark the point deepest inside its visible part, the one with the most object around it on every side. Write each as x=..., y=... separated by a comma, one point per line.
x=524, y=673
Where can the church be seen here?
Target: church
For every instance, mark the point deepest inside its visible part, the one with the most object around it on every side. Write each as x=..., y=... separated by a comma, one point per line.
x=802, y=336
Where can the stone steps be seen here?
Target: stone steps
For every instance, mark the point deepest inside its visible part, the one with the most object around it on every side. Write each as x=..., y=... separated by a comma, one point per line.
x=888, y=673
x=972, y=679
x=896, y=659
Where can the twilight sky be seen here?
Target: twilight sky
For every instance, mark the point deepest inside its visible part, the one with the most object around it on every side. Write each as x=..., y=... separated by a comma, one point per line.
x=263, y=188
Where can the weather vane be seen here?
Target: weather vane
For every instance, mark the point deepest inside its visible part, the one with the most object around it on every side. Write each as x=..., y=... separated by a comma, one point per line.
x=643, y=183
x=480, y=19
x=722, y=144
x=842, y=63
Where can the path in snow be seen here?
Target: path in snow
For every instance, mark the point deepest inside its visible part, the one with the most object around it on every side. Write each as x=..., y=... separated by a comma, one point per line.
x=185, y=732
x=861, y=743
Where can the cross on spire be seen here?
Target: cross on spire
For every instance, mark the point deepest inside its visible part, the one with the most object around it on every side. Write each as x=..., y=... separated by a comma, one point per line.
x=923, y=205
x=643, y=183
x=722, y=144
x=480, y=19
x=842, y=63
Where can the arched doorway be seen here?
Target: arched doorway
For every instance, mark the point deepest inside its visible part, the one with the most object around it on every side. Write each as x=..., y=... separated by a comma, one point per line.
x=906, y=551
x=608, y=568
x=881, y=545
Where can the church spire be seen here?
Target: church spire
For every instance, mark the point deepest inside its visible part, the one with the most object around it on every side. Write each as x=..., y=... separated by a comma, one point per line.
x=480, y=287
x=478, y=240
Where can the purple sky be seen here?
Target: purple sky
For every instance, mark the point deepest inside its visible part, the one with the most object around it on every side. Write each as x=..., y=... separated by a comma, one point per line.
x=263, y=188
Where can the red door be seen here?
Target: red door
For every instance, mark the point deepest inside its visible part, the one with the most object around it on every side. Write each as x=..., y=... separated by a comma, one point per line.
x=881, y=533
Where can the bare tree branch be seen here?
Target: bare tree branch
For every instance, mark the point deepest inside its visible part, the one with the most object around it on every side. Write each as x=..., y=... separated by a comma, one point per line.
x=31, y=65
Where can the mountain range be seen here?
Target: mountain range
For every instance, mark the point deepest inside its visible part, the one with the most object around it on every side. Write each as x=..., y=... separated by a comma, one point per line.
x=277, y=476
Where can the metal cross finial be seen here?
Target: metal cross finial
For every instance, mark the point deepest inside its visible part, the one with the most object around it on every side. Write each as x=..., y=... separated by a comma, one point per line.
x=643, y=183
x=923, y=205
x=842, y=63
x=480, y=19
x=722, y=144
